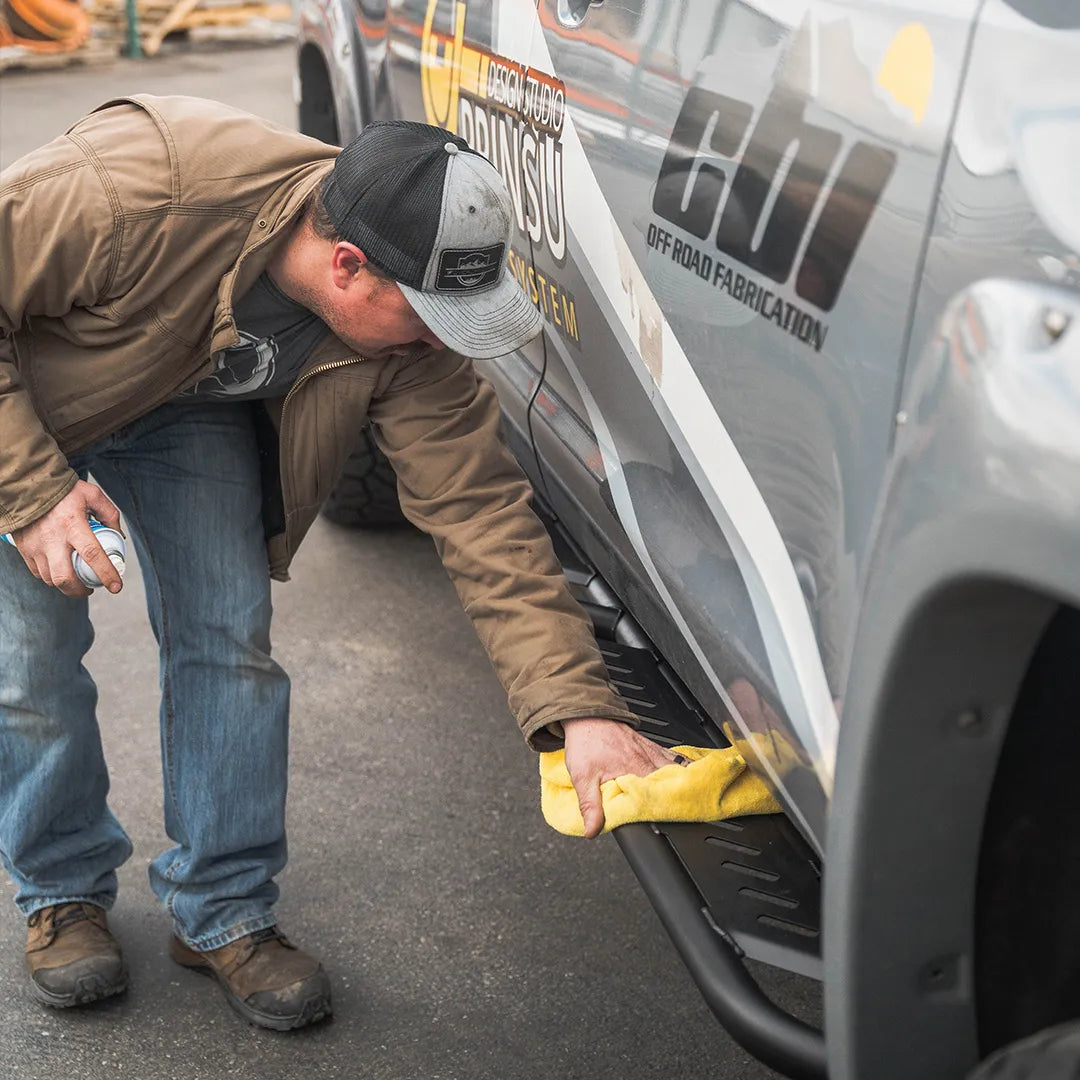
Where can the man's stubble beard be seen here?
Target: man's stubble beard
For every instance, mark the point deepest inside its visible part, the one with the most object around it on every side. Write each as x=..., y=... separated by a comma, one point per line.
x=329, y=315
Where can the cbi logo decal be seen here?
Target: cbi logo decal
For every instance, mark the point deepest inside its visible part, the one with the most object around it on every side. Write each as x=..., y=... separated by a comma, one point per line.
x=758, y=227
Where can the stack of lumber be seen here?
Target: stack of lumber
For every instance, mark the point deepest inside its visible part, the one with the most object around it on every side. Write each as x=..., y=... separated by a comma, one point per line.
x=200, y=20
x=55, y=33
x=17, y=56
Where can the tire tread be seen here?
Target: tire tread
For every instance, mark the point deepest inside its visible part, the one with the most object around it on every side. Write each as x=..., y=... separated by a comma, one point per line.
x=365, y=496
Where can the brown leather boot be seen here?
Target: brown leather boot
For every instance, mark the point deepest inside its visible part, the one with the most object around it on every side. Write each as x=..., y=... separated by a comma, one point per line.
x=72, y=957
x=266, y=979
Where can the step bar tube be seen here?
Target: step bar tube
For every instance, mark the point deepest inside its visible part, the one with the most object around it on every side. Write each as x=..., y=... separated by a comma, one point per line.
x=773, y=1036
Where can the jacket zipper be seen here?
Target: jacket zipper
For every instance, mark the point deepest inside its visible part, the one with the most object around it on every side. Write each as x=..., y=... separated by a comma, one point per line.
x=315, y=371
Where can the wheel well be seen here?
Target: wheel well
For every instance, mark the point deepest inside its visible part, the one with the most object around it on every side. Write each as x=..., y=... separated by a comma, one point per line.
x=318, y=115
x=925, y=721
x=1027, y=917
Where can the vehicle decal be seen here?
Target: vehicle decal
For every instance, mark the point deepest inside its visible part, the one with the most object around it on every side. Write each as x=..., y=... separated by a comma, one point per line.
x=513, y=115
x=510, y=113
x=762, y=216
x=550, y=295
x=452, y=72
x=907, y=70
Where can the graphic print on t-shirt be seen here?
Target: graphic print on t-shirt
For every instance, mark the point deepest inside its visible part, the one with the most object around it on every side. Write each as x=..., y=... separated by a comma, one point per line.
x=276, y=336
x=242, y=368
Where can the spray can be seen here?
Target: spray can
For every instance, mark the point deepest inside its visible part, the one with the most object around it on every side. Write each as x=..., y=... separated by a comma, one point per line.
x=110, y=540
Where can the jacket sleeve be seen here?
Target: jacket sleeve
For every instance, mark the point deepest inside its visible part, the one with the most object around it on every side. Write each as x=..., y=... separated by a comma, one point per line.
x=56, y=246
x=439, y=424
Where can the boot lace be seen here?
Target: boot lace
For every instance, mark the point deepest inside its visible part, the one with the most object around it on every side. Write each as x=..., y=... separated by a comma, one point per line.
x=68, y=915
x=269, y=933
x=62, y=915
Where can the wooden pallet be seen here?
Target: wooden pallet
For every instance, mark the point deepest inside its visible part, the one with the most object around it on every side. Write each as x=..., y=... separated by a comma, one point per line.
x=255, y=22
x=224, y=19
x=93, y=53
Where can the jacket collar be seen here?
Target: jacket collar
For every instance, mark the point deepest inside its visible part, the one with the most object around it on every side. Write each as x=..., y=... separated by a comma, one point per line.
x=270, y=227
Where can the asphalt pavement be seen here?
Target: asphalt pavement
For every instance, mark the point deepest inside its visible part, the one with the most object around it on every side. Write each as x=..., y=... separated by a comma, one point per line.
x=463, y=937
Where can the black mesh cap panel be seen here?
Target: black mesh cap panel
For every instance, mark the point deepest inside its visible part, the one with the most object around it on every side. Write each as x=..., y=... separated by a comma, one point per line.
x=385, y=194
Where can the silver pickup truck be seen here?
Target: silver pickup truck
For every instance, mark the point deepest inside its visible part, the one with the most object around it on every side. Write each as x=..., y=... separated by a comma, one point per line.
x=805, y=425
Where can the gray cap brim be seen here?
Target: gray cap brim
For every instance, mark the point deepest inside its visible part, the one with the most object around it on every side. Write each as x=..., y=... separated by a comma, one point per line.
x=479, y=325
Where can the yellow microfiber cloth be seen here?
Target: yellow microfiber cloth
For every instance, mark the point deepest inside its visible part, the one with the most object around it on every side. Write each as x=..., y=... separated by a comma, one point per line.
x=716, y=784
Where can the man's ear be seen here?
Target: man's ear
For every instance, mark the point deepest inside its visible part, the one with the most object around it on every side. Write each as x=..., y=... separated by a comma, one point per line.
x=346, y=262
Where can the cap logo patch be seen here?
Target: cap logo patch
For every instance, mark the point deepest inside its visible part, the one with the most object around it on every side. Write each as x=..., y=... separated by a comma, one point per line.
x=465, y=269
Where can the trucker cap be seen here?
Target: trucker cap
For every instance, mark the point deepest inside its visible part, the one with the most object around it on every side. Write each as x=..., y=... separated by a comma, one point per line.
x=436, y=216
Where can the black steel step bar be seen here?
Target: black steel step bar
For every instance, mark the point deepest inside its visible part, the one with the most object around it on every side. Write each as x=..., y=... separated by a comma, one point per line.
x=714, y=961
x=711, y=954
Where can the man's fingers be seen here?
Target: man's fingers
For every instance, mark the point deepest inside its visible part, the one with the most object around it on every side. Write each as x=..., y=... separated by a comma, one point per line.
x=93, y=554
x=61, y=574
x=591, y=806
x=103, y=508
x=662, y=756
x=649, y=756
x=47, y=544
x=599, y=750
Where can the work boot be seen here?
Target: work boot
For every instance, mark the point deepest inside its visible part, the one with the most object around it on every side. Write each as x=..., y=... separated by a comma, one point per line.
x=266, y=979
x=72, y=957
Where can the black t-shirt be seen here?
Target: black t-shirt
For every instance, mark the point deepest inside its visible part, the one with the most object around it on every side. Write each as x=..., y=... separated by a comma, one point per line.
x=277, y=335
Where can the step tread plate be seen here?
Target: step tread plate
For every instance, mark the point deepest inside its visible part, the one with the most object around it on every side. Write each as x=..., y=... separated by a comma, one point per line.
x=761, y=884
x=667, y=715
x=757, y=876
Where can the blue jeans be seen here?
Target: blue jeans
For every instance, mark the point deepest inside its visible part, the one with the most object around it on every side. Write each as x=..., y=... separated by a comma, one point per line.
x=187, y=480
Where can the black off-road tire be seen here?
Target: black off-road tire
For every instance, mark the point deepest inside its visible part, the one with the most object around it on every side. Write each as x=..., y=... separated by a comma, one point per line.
x=1053, y=1054
x=365, y=496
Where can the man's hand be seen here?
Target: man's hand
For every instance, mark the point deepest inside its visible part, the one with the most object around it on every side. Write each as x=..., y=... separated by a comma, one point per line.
x=46, y=544
x=599, y=750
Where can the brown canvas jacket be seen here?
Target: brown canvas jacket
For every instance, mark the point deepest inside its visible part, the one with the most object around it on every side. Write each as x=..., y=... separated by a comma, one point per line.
x=123, y=244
